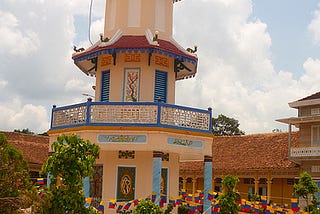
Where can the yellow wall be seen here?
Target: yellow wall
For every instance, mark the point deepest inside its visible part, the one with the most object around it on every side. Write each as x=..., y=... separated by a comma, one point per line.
x=117, y=17
x=147, y=76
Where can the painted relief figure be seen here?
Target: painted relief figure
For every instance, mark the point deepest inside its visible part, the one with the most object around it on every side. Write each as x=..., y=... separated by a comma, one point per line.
x=131, y=85
x=126, y=183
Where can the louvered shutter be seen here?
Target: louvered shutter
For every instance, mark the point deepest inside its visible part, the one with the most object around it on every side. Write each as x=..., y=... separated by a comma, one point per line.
x=105, y=86
x=160, y=86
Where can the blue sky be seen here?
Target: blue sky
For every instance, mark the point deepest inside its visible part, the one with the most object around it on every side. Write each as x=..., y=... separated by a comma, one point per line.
x=287, y=22
x=255, y=56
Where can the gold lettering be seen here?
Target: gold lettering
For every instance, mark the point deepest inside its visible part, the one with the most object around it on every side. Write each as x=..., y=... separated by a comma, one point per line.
x=106, y=60
x=132, y=57
x=162, y=61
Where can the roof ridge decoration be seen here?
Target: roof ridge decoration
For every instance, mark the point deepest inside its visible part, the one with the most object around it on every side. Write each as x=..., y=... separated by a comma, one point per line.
x=114, y=39
x=172, y=40
x=151, y=38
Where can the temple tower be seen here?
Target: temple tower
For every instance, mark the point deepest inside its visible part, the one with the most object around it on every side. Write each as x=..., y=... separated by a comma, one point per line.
x=142, y=134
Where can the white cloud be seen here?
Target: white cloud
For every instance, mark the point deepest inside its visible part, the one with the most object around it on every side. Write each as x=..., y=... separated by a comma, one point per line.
x=235, y=73
x=3, y=83
x=78, y=86
x=311, y=77
x=14, y=116
x=96, y=29
x=13, y=40
x=314, y=26
x=79, y=8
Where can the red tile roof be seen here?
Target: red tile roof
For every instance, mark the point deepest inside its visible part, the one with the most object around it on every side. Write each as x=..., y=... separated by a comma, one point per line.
x=256, y=151
x=34, y=147
x=138, y=42
x=248, y=152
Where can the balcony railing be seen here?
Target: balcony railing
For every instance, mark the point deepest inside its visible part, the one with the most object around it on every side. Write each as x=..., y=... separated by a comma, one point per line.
x=305, y=152
x=146, y=114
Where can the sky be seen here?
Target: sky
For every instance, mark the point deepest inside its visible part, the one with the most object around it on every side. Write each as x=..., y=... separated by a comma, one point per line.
x=255, y=56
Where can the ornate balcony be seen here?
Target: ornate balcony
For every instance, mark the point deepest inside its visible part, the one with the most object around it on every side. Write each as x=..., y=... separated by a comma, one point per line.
x=139, y=114
x=305, y=152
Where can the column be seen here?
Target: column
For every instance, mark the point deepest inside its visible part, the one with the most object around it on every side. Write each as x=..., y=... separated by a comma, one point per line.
x=269, y=189
x=48, y=180
x=194, y=180
x=86, y=187
x=256, y=185
x=207, y=183
x=184, y=183
x=156, y=176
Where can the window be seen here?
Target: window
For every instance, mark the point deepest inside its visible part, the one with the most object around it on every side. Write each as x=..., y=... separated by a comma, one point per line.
x=315, y=135
x=263, y=181
x=250, y=190
x=262, y=190
x=248, y=180
x=160, y=86
x=218, y=180
x=291, y=181
x=105, y=86
x=315, y=111
x=217, y=188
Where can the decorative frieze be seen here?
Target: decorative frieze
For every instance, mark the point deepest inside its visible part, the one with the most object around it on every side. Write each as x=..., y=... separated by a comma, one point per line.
x=165, y=157
x=162, y=61
x=132, y=57
x=185, y=142
x=106, y=60
x=126, y=154
x=122, y=138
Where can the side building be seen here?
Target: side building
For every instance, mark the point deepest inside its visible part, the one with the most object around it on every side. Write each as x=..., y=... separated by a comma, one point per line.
x=33, y=147
x=255, y=159
x=260, y=161
x=306, y=153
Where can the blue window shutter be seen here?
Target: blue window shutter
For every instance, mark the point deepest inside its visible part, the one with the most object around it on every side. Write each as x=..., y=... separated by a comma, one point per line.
x=105, y=86
x=160, y=86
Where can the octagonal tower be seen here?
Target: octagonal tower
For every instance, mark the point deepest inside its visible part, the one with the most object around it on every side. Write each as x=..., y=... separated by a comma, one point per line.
x=142, y=134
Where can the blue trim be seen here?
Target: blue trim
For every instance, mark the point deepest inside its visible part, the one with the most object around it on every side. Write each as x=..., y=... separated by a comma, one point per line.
x=123, y=50
x=105, y=86
x=88, y=110
x=156, y=178
x=159, y=113
x=156, y=124
x=207, y=186
x=210, y=125
x=52, y=116
x=160, y=86
x=86, y=187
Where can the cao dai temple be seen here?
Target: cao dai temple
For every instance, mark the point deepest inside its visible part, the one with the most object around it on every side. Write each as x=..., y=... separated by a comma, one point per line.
x=148, y=144
x=142, y=134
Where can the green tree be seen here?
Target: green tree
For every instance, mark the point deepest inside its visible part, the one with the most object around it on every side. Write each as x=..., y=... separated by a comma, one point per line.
x=15, y=186
x=25, y=131
x=72, y=160
x=306, y=187
x=226, y=126
x=183, y=209
x=147, y=207
x=228, y=200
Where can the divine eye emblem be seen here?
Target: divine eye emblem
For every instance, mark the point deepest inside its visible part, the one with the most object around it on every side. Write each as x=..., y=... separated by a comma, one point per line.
x=126, y=184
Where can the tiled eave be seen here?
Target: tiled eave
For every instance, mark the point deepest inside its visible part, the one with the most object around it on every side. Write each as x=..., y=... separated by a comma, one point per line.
x=248, y=153
x=129, y=43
